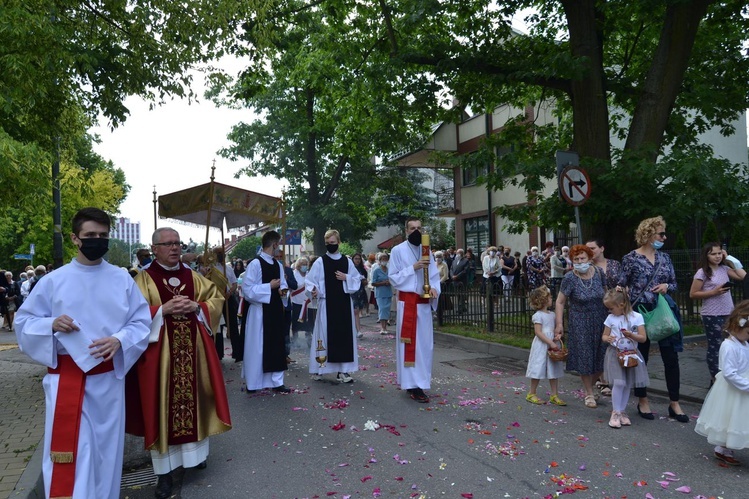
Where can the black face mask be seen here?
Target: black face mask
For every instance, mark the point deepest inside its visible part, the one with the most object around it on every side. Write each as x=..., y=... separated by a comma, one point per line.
x=332, y=248
x=415, y=237
x=94, y=248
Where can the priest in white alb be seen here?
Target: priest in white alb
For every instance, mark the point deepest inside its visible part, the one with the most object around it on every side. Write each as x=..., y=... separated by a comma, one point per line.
x=414, y=330
x=88, y=323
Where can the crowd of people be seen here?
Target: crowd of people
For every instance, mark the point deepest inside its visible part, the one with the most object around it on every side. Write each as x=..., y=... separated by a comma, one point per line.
x=142, y=355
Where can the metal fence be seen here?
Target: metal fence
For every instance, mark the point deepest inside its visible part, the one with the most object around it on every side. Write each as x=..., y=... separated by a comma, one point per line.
x=491, y=309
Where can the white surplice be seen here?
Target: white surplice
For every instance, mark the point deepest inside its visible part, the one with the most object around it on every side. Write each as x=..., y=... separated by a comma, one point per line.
x=257, y=293
x=106, y=302
x=404, y=278
x=315, y=279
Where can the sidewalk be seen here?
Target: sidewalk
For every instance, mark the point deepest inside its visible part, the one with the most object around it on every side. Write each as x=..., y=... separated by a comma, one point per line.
x=22, y=412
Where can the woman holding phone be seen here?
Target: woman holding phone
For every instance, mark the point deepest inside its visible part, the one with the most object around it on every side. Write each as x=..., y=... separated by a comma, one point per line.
x=711, y=284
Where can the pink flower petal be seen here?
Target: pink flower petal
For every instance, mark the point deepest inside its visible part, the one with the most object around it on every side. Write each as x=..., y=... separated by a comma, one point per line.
x=365, y=478
x=684, y=489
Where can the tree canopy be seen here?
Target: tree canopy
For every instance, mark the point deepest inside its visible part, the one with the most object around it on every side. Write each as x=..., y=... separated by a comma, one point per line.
x=633, y=84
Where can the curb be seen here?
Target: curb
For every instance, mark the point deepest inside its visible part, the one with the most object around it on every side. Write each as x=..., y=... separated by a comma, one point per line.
x=687, y=393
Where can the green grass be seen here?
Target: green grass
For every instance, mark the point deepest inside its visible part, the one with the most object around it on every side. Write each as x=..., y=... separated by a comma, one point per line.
x=504, y=338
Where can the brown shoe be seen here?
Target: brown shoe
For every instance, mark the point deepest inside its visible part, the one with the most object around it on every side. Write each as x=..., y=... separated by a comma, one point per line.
x=729, y=460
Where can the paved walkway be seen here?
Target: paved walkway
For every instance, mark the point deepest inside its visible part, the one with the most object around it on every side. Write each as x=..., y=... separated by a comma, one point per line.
x=22, y=411
x=21, y=414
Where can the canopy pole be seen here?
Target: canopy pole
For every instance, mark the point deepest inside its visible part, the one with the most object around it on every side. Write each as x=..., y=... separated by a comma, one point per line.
x=210, y=208
x=155, y=224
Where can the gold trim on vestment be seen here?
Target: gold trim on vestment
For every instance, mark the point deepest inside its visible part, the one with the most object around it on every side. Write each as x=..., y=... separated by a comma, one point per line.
x=61, y=457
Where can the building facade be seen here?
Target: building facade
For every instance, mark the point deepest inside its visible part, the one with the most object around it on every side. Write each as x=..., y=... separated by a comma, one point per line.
x=125, y=230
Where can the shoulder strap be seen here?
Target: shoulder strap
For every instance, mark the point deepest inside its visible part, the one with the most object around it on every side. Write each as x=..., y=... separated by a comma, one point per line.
x=655, y=271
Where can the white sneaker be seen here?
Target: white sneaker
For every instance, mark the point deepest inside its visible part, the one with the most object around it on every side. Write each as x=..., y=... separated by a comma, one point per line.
x=360, y=335
x=316, y=377
x=345, y=378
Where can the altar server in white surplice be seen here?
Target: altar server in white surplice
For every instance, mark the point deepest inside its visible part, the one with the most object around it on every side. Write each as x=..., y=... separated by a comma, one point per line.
x=414, y=339
x=264, y=288
x=88, y=323
x=332, y=279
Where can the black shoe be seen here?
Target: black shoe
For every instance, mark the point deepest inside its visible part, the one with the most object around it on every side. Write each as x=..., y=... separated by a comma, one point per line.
x=282, y=389
x=202, y=465
x=164, y=487
x=645, y=415
x=418, y=395
x=681, y=418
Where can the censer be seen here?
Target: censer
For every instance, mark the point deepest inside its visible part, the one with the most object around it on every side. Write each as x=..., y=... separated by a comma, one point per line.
x=321, y=354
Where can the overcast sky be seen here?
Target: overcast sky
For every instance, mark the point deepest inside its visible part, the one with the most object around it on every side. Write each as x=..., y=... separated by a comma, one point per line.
x=173, y=148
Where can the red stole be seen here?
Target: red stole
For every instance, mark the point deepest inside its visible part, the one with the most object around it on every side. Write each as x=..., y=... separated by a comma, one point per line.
x=408, y=325
x=67, y=422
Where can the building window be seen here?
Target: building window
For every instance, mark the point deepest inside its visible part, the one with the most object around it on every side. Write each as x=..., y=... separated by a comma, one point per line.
x=477, y=233
x=472, y=170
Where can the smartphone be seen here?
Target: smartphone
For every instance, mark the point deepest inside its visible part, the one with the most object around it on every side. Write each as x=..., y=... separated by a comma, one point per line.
x=728, y=284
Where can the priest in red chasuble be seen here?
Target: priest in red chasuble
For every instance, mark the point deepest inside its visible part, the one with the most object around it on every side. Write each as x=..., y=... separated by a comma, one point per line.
x=176, y=395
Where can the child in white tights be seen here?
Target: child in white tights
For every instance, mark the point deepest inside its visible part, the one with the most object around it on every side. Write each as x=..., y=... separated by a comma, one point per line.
x=623, y=329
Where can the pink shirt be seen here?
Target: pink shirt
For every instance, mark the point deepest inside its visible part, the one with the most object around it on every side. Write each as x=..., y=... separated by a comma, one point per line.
x=721, y=304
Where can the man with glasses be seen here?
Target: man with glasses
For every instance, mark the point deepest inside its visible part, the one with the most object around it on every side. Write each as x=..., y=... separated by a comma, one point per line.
x=176, y=393
x=88, y=323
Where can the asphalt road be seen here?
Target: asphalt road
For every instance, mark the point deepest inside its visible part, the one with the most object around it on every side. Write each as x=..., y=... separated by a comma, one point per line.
x=477, y=438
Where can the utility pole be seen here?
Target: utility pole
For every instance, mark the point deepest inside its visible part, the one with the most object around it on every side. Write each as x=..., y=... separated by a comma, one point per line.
x=56, y=216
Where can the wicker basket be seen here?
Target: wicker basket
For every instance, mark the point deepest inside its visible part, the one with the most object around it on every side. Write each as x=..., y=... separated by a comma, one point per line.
x=628, y=358
x=558, y=355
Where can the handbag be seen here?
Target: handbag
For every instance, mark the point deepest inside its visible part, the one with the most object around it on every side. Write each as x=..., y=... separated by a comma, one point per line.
x=660, y=323
x=558, y=355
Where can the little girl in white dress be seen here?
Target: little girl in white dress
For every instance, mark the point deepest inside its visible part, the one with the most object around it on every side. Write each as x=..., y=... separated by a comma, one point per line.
x=540, y=366
x=723, y=416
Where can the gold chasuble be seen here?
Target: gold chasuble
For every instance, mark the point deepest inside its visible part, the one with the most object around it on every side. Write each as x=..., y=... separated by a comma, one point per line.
x=176, y=392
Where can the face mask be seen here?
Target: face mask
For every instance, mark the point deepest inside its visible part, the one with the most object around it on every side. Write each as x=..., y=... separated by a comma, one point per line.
x=507, y=254
x=491, y=253
x=582, y=267
x=439, y=260
x=303, y=269
x=657, y=244
x=383, y=264
x=535, y=253
x=23, y=279
x=457, y=258
x=94, y=248
x=194, y=265
x=146, y=261
x=415, y=237
x=332, y=248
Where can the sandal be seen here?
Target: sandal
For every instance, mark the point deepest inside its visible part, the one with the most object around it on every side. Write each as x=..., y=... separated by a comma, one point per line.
x=590, y=401
x=624, y=419
x=554, y=399
x=533, y=399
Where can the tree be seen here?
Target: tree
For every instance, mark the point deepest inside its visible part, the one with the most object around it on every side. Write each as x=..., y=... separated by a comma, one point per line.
x=246, y=248
x=651, y=74
x=326, y=109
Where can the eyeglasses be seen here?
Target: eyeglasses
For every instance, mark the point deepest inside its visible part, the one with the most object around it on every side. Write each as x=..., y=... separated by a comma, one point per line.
x=170, y=244
x=662, y=234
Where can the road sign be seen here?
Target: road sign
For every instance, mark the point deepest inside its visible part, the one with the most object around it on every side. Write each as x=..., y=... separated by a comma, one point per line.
x=32, y=250
x=293, y=236
x=574, y=185
x=21, y=256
